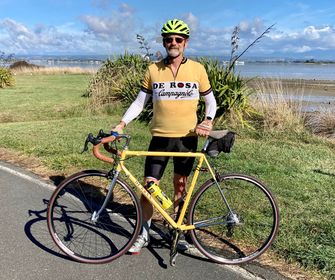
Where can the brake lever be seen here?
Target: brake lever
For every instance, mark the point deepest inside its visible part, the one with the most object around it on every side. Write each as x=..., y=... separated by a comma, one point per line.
x=91, y=139
x=102, y=134
x=87, y=140
x=96, y=140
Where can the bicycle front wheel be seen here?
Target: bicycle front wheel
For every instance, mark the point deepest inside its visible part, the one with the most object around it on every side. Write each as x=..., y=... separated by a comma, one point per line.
x=74, y=227
x=235, y=220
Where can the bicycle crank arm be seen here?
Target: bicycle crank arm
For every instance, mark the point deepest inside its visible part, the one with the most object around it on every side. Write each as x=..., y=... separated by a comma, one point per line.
x=173, y=249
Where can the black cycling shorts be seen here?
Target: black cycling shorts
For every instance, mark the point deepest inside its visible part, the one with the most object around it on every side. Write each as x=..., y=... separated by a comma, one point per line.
x=155, y=166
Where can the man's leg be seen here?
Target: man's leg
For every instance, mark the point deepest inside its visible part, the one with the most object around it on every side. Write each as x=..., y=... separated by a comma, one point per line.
x=179, y=182
x=183, y=167
x=147, y=212
x=154, y=168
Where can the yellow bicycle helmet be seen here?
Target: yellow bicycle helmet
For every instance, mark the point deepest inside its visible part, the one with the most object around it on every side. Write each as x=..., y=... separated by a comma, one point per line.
x=175, y=26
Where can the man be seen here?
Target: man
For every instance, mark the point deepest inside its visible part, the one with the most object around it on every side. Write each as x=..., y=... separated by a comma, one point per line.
x=175, y=85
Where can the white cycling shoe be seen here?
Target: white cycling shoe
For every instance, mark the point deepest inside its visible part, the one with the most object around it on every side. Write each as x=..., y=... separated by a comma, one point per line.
x=140, y=242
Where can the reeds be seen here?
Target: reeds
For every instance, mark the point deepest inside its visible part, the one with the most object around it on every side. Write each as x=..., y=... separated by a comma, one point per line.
x=275, y=106
x=52, y=70
x=281, y=108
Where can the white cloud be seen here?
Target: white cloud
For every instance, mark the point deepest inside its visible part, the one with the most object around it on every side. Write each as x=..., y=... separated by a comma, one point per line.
x=311, y=38
x=17, y=29
x=244, y=25
x=303, y=49
x=18, y=38
x=313, y=33
x=192, y=22
x=116, y=33
x=308, y=39
x=119, y=28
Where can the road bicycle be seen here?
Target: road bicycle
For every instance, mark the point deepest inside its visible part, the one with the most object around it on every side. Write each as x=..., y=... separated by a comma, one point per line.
x=94, y=216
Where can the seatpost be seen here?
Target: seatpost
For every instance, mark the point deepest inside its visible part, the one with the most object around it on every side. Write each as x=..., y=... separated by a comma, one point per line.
x=204, y=148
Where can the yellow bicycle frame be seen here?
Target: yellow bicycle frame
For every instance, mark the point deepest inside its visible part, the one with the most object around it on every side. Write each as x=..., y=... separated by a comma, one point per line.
x=201, y=158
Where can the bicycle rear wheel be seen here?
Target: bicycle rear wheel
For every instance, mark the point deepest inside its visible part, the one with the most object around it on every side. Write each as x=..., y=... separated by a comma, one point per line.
x=241, y=233
x=84, y=239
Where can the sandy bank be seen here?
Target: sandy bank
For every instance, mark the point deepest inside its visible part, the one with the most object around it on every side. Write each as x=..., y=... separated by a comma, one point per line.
x=315, y=87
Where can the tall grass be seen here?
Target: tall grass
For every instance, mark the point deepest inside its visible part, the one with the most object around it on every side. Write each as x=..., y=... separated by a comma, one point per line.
x=276, y=109
x=281, y=108
x=52, y=70
x=119, y=81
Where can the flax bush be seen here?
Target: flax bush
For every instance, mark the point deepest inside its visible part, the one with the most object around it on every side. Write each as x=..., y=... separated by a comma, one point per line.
x=6, y=78
x=117, y=81
x=230, y=91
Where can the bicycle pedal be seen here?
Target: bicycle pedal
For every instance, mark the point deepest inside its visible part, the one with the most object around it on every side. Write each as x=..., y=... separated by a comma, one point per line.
x=182, y=246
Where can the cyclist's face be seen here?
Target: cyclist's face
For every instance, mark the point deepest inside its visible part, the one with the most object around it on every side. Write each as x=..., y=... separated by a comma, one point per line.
x=174, y=45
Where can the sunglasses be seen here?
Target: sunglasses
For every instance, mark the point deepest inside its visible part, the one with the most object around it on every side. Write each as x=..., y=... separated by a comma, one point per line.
x=169, y=40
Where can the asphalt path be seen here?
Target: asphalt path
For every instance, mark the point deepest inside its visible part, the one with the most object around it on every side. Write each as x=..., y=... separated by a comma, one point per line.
x=27, y=251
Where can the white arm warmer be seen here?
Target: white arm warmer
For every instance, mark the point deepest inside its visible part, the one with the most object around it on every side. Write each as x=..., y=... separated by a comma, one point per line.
x=210, y=103
x=136, y=107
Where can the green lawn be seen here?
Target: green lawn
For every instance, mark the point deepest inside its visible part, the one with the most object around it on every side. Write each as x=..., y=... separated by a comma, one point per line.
x=46, y=117
x=41, y=97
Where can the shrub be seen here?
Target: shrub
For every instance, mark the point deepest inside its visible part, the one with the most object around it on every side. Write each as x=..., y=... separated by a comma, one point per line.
x=22, y=65
x=117, y=80
x=322, y=122
x=6, y=78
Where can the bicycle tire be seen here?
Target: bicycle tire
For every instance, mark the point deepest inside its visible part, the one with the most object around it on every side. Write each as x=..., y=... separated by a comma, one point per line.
x=243, y=236
x=70, y=211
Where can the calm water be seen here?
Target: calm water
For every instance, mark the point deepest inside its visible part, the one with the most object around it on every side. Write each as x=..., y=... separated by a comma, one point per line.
x=288, y=70
x=249, y=69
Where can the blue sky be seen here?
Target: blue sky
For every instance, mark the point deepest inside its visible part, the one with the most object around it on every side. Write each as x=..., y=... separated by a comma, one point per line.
x=303, y=29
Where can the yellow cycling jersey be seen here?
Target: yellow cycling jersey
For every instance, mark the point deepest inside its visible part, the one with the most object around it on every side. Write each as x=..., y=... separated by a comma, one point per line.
x=175, y=98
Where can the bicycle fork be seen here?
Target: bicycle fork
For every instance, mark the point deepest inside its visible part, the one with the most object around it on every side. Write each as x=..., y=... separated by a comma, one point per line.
x=231, y=219
x=96, y=214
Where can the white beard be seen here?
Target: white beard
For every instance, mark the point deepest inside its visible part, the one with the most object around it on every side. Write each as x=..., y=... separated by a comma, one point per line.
x=173, y=52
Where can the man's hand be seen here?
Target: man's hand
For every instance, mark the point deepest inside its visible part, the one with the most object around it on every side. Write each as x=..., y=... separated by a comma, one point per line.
x=204, y=128
x=119, y=128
